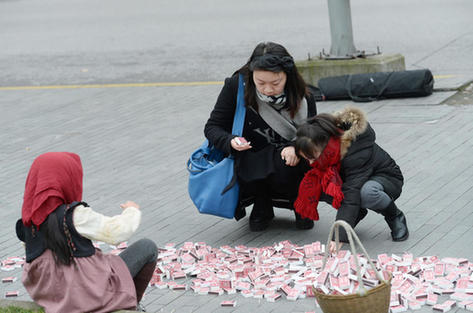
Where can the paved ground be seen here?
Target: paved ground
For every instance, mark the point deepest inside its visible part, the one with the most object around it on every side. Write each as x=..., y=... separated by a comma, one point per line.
x=134, y=141
x=134, y=145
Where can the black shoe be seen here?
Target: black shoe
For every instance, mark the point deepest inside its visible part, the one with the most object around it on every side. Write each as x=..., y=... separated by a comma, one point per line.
x=261, y=215
x=303, y=223
x=396, y=222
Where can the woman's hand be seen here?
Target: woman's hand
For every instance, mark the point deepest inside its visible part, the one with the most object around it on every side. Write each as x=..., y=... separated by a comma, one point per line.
x=288, y=154
x=129, y=204
x=333, y=246
x=245, y=145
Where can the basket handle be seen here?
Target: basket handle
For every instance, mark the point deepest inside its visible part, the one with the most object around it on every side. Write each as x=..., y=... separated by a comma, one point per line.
x=351, y=234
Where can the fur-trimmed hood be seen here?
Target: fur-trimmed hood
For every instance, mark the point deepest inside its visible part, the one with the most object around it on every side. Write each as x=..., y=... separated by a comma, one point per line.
x=355, y=119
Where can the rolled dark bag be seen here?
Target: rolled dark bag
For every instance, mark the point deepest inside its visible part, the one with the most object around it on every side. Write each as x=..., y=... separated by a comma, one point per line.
x=376, y=86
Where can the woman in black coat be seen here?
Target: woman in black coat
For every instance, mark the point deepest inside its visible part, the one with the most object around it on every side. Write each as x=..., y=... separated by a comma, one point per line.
x=349, y=170
x=277, y=102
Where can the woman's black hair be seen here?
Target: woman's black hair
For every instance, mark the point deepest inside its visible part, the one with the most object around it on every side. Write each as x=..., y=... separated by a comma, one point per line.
x=55, y=240
x=316, y=133
x=270, y=56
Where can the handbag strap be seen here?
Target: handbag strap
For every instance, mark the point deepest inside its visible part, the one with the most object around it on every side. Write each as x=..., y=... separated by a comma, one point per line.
x=239, y=118
x=238, y=121
x=351, y=234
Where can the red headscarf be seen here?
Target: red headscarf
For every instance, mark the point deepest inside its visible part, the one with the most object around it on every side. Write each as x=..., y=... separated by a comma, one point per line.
x=54, y=178
x=324, y=176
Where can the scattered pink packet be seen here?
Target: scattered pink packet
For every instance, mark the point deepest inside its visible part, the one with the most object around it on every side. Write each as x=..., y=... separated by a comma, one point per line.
x=292, y=295
x=414, y=305
x=310, y=291
x=344, y=282
x=170, y=245
x=116, y=251
x=230, y=291
x=444, y=307
x=397, y=309
x=309, y=250
x=247, y=293
x=439, y=269
x=161, y=285
x=9, y=294
x=395, y=299
x=429, y=275
x=383, y=259
x=203, y=290
x=178, y=287
x=273, y=297
x=431, y=299
x=122, y=245
x=463, y=304
x=344, y=268
x=231, y=303
x=10, y=279
x=258, y=294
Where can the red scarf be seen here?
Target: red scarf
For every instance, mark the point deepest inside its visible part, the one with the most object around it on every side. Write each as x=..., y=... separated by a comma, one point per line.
x=323, y=177
x=54, y=178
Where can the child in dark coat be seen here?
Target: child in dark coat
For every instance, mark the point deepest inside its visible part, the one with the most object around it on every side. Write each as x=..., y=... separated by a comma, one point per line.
x=349, y=170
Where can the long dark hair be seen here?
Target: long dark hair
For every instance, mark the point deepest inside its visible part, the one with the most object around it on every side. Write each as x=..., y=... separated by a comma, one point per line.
x=270, y=56
x=315, y=134
x=56, y=240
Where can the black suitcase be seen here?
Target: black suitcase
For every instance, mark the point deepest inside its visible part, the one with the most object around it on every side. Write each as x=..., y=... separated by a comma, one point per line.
x=375, y=86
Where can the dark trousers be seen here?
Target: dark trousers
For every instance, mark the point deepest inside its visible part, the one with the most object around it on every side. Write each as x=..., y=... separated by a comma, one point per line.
x=279, y=188
x=140, y=258
x=377, y=197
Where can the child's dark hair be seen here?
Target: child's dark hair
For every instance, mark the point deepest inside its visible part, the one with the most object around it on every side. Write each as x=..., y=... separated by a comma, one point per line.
x=270, y=56
x=55, y=240
x=316, y=133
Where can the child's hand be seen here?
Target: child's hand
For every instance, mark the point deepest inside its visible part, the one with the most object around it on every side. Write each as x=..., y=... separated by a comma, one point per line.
x=288, y=154
x=333, y=246
x=129, y=204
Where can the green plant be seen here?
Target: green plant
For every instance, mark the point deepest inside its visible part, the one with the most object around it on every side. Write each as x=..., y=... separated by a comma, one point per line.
x=14, y=309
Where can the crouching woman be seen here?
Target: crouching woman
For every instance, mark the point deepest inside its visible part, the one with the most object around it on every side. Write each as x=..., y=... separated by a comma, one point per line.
x=349, y=170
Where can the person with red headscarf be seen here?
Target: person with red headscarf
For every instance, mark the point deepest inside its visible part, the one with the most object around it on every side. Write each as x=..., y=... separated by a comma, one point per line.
x=64, y=272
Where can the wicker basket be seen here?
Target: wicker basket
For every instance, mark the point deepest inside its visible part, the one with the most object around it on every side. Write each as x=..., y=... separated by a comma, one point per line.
x=375, y=300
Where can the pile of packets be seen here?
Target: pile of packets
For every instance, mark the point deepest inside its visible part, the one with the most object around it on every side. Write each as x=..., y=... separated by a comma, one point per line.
x=293, y=271
x=12, y=263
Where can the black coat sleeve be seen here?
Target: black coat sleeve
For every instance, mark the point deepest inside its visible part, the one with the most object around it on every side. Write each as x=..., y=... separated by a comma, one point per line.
x=351, y=203
x=219, y=125
x=355, y=172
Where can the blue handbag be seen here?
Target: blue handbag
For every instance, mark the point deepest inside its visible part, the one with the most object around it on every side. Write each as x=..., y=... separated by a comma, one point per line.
x=213, y=186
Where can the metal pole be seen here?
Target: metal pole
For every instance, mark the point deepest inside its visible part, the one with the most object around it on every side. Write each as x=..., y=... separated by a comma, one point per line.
x=341, y=30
